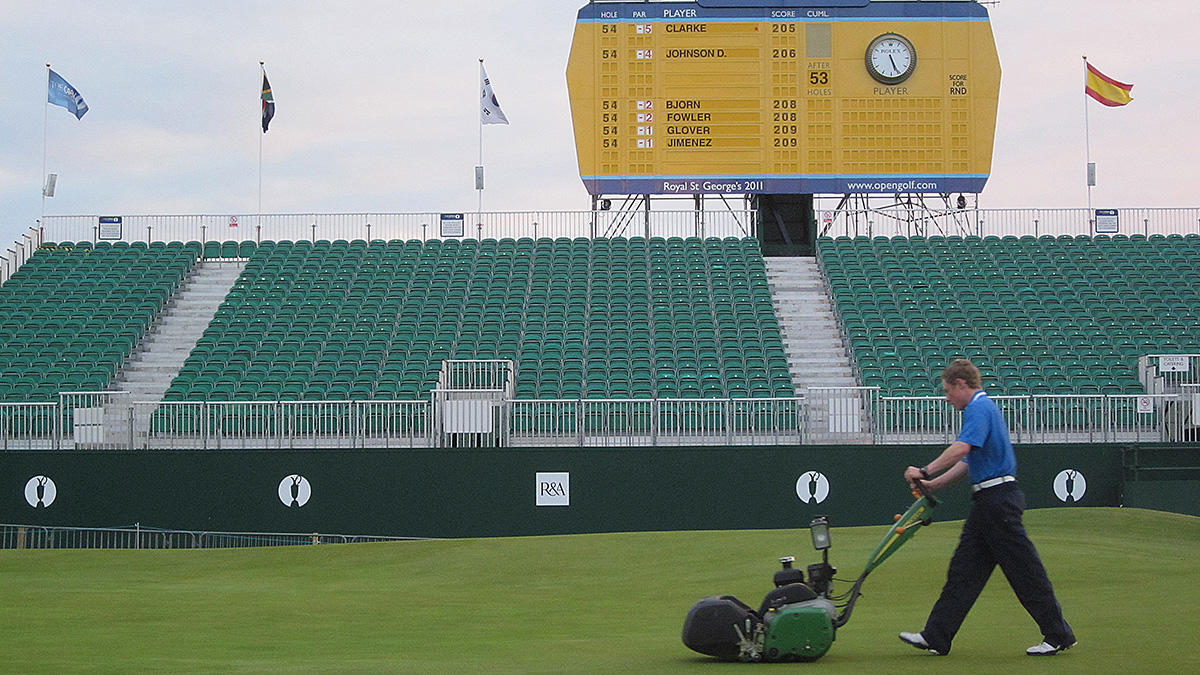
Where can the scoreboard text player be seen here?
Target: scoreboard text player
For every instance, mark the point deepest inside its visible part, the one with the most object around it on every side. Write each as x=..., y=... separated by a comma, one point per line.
x=816, y=97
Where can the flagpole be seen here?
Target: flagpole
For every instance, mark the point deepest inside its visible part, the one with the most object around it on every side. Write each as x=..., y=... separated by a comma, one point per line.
x=1087, y=135
x=263, y=69
x=45, y=127
x=479, y=213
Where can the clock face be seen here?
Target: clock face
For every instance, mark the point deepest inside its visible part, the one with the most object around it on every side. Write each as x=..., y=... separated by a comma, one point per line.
x=891, y=58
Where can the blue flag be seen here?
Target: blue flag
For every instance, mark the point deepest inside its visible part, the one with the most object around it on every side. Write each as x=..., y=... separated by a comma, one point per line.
x=63, y=94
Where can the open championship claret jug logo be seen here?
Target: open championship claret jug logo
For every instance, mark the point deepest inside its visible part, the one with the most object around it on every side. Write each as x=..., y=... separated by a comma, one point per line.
x=812, y=487
x=40, y=491
x=1069, y=485
x=294, y=490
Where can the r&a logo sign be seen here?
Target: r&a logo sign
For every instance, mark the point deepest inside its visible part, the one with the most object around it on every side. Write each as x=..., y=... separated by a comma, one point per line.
x=553, y=489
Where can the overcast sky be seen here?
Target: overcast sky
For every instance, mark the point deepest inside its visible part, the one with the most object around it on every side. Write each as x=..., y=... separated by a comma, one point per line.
x=376, y=106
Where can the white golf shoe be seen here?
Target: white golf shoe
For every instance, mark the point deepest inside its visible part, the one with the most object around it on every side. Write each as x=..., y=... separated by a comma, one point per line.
x=1047, y=649
x=917, y=640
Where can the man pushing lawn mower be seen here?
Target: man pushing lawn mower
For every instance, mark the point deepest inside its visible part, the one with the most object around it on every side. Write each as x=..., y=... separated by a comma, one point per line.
x=993, y=533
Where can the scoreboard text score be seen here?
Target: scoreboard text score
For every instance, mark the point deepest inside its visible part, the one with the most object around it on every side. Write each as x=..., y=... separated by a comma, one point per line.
x=884, y=97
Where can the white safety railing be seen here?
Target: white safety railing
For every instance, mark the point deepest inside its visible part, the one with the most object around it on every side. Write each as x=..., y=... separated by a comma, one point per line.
x=651, y=422
x=12, y=257
x=841, y=416
x=28, y=426
x=423, y=226
x=283, y=424
x=909, y=222
x=1042, y=418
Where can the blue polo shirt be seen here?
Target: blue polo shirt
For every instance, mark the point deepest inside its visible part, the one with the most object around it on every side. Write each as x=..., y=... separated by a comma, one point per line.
x=984, y=430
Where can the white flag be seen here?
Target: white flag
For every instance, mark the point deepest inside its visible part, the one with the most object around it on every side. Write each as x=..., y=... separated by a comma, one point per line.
x=489, y=107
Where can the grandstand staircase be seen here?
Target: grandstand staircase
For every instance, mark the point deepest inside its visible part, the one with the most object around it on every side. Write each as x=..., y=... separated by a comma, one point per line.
x=816, y=355
x=169, y=342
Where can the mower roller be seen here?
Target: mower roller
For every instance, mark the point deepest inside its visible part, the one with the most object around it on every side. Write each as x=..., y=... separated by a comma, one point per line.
x=798, y=619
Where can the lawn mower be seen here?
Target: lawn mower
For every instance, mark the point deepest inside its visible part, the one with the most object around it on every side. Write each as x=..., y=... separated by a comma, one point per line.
x=798, y=619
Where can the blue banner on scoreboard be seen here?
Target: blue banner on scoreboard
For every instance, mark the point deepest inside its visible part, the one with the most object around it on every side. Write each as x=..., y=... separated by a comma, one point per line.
x=861, y=184
x=782, y=10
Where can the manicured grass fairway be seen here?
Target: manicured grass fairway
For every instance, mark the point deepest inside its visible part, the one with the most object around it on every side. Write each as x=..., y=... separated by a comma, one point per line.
x=1129, y=581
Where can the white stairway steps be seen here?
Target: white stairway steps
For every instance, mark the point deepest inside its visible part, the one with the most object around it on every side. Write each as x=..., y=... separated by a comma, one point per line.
x=159, y=358
x=816, y=355
x=168, y=345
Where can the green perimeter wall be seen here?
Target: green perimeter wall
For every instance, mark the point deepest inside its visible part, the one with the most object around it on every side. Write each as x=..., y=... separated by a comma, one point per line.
x=493, y=492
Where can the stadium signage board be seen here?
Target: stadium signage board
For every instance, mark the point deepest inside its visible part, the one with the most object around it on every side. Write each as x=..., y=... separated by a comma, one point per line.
x=1108, y=221
x=109, y=228
x=452, y=225
x=1174, y=363
x=729, y=96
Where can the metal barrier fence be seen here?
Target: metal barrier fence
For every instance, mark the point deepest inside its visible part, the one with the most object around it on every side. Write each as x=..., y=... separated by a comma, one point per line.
x=909, y=222
x=29, y=426
x=851, y=415
x=138, y=537
x=1040, y=418
x=722, y=222
x=283, y=424
x=657, y=422
x=424, y=226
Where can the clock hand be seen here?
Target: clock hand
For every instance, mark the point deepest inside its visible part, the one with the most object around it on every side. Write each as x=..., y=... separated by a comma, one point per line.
x=893, y=60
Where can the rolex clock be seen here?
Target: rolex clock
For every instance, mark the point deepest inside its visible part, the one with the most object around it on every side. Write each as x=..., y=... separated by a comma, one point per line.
x=891, y=58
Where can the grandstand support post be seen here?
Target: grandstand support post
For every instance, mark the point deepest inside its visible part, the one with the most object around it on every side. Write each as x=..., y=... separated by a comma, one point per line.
x=728, y=409
x=647, y=212
x=595, y=216
x=699, y=201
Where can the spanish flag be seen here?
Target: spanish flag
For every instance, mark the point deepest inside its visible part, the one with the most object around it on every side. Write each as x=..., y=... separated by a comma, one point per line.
x=1106, y=90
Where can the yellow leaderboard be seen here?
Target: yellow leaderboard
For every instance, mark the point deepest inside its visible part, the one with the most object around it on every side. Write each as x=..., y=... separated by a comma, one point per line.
x=744, y=98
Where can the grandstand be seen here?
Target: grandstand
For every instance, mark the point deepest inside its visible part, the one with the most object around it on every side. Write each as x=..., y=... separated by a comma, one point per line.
x=603, y=318
x=73, y=315
x=1050, y=315
x=619, y=340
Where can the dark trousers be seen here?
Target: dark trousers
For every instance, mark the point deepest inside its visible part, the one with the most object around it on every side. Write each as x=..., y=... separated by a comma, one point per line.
x=994, y=535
